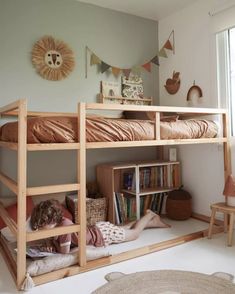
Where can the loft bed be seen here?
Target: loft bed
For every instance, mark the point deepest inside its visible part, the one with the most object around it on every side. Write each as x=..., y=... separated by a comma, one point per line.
x=19, y=187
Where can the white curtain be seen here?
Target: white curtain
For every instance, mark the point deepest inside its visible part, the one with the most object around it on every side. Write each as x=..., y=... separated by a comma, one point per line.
x=223, y=79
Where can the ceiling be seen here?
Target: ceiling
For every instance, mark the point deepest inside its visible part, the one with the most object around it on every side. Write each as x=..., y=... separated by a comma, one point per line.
x=152, y=9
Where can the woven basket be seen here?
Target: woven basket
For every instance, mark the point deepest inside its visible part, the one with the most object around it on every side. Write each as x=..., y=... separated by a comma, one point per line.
x=179, y=205
x=96, y=209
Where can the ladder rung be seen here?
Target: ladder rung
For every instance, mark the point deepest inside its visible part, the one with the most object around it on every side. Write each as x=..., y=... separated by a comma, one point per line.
x=8, y=220
x=43, y=234
x=52, y=189
x=11, y=184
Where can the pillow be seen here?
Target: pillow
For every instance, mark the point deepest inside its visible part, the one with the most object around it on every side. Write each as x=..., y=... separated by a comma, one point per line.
x=58, y=261
x=12, y=211
x=7, y=234
x=149, y=115
x=169, y=118
x=66, y=212
x=7, y=201
x=141, y=115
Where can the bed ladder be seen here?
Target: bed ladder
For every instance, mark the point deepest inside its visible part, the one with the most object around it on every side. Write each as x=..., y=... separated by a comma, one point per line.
x=22, y=191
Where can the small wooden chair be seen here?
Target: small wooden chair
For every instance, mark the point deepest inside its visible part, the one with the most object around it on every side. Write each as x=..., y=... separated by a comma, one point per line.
x=227, y=211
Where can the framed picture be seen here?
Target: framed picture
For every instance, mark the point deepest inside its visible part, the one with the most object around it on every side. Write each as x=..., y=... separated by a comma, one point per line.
x=110, y=88
x=132, y=87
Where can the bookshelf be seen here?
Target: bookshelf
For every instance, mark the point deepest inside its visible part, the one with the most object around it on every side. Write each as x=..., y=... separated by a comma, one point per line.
x=136, y=186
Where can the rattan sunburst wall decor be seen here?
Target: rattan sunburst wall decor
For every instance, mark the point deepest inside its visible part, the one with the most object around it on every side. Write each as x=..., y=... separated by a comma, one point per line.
x=52, y=58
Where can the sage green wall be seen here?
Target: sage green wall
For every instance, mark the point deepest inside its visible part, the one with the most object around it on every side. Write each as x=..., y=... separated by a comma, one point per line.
x=118, y=38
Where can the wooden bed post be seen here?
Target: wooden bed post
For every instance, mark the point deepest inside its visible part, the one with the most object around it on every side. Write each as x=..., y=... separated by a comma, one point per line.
x=21, y=195
x=82, y=180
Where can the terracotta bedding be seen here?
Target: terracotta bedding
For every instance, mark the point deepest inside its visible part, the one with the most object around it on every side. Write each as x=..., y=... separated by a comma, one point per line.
x=64, y=130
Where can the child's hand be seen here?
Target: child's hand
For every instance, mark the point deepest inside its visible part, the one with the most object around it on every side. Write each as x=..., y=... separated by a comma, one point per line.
x=48, y=247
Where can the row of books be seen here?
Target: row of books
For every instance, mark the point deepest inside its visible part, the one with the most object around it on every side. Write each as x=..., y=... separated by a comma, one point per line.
x=120, y=208
x=156, y=176
x=125, y=206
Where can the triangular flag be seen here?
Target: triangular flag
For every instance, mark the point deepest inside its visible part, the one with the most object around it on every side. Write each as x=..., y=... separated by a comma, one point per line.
x=116, y=71
x=155, y=60
x=94, y=59
x=147, y=66
x=104, y=66
x=126, y=72
x=162, y=53
x=168, y=45
x=136, y=69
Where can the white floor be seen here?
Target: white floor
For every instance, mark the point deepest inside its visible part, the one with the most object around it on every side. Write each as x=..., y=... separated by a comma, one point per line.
x=203, y=255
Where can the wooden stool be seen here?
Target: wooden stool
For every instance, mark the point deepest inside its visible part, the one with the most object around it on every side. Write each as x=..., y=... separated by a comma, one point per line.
x=227, y=210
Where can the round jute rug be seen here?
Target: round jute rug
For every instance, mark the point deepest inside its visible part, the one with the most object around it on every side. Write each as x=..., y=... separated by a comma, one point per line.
x=166, y=282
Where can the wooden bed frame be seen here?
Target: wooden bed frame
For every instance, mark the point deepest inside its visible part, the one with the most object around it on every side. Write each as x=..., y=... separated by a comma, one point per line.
x=19, y=109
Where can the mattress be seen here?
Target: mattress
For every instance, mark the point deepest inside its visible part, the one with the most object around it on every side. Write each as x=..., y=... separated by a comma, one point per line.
x=39, y=266
x=98, y=129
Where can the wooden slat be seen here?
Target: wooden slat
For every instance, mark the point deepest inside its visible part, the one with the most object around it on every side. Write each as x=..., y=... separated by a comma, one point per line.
x=11, y=184
x=157, y=126
x=191, y=110
x=10, y=262
x=43, y=234
x=81, y=166
x=118, y=144
x=8, y=220
x=206, y=219
x=9, y=145
x=40, y=113
x=21, y=195
x=11, y=106
x=52, y=146
x=145, y=99
x=52, y=189
x=148, y=191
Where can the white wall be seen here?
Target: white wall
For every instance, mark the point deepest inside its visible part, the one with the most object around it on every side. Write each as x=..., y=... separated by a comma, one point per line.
x=118, y=38
x=195, y=59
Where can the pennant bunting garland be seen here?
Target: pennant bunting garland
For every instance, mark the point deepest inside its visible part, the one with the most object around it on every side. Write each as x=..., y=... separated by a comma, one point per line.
x=116, y=71
x=147, y=66
x=104, y=66
x=95, y=60
x=136, y=69
x=162, y=53
x=168, y=45
x=155, y=60
x=126, y=72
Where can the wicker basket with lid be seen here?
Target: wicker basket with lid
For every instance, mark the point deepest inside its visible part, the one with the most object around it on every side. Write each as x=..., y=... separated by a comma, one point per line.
x=179, y=204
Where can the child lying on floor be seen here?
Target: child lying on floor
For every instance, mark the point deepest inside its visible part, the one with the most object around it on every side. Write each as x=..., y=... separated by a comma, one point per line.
x=48, y=214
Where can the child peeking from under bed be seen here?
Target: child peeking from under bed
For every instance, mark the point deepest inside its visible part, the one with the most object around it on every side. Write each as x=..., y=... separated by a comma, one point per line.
x=48, y=214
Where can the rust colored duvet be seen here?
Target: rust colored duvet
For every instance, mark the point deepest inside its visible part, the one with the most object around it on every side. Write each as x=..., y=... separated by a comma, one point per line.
x=64, y=130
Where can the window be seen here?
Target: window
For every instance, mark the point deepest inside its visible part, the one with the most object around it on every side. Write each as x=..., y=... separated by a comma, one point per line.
x=225, y=43
x=231, y=38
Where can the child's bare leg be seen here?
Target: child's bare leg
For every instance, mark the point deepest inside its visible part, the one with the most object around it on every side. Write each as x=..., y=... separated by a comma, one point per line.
x=129, y=225
x=137, y=227
x=156, y=222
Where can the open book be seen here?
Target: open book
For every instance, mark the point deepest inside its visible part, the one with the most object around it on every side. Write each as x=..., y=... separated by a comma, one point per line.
x=34, y=251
